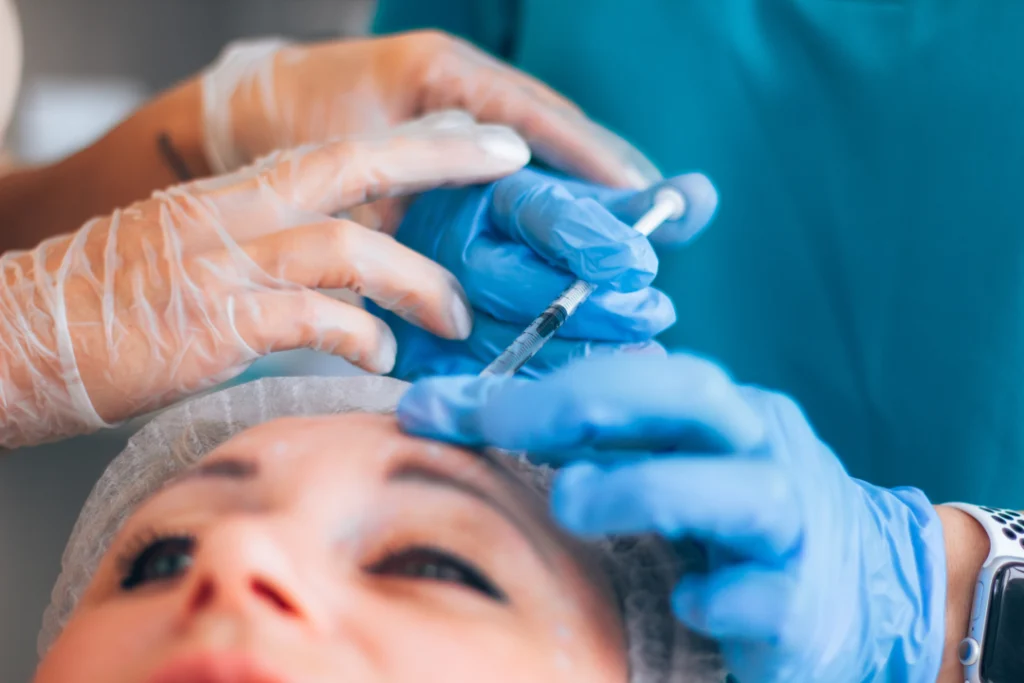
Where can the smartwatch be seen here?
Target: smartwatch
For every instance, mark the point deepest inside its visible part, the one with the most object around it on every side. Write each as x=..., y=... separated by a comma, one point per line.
x=993, y=651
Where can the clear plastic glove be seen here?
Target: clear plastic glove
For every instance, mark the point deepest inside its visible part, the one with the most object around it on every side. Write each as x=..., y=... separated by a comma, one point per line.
x=266, y=95
x=517, y=244
x=184, y=290
x=814, y=576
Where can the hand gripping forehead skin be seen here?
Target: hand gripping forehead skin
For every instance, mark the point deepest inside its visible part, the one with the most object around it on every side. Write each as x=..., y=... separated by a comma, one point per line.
x=336, y=545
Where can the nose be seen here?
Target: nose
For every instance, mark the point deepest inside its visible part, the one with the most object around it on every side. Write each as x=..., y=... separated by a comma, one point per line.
x=246, y=566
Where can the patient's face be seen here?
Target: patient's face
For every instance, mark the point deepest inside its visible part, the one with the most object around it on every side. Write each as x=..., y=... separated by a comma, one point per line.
x=338, y=549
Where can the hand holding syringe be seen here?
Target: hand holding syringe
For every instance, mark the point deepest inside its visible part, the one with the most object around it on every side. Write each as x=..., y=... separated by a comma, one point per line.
x=669, y=204
x=516, y=245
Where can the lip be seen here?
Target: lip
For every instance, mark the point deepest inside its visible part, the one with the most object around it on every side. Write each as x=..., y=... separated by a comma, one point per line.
x=216, y=667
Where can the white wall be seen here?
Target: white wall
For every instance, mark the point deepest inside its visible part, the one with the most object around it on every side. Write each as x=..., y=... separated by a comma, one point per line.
x=131, y=47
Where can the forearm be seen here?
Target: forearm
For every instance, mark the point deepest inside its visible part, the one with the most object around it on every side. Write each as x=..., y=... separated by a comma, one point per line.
x=966, y=548
x=124, y=166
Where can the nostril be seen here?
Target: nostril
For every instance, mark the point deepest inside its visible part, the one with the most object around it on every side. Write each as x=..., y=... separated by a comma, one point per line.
x=269, y=593
x=203, y=596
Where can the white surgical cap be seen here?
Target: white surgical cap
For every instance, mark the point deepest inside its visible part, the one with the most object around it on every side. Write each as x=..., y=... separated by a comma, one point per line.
x=642, y=569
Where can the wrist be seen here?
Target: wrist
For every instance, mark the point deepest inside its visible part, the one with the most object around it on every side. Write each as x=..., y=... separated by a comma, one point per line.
x=178, y=115
x=967, y=546
x=41, y=202
x=93, y=182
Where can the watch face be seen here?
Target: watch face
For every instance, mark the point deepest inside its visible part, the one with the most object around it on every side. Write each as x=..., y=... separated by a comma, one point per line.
x=1003, y=658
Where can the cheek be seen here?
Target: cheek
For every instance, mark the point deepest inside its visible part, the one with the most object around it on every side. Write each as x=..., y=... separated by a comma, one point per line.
x=113, y=644
x=418, y=648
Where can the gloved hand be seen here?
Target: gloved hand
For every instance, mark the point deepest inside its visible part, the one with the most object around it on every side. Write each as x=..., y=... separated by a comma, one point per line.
x=814, y=576
x=265, y=95
x=517, y=244
x=184, y=290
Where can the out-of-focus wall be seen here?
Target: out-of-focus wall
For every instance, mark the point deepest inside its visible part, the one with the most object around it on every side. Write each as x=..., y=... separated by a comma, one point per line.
x=88, y=62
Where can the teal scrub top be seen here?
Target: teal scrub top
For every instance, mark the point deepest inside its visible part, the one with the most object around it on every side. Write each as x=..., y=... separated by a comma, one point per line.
x=868, y=257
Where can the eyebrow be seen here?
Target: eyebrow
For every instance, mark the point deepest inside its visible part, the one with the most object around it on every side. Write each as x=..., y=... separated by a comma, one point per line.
x=239, y=469
x=425, y=475
x=236, y=469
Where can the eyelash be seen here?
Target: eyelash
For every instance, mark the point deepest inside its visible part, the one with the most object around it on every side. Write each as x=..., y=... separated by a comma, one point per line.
x=133, y=562
x=438, y=565
x=435, y=564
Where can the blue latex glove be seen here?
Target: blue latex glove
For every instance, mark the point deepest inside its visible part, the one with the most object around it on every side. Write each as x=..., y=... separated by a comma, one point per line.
x=815, y=576
x=514, y=245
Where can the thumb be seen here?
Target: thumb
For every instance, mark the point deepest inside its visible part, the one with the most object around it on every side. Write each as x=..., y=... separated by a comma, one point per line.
x=701, y=205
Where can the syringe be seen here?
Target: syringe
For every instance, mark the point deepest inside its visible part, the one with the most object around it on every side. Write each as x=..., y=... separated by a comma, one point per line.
x=669, y=204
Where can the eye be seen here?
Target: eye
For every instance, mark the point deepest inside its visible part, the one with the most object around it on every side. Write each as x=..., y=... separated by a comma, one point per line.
x=161, y=559
x=433, y=564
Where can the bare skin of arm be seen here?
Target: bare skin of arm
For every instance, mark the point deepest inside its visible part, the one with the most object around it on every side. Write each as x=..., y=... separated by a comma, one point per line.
x=124, y=166
x=967, y=547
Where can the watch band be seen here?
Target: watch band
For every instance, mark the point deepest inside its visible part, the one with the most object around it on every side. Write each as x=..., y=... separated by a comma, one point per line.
x=1005, y=529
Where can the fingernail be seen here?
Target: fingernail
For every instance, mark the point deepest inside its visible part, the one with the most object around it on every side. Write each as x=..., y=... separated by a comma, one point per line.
x=503, y=143
x=450, y=119
x=387, y=351
x=636, y=178
x=462, y=317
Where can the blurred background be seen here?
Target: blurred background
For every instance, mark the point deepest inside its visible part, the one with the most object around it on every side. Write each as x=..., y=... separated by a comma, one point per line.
x=87, y=64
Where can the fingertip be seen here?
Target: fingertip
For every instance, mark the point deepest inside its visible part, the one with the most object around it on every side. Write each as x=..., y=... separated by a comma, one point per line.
x=386, y=352
x=428, y=408
x=628, y=167
x=448, y=408
x=701, y=199
x=503, y=145
x=654, y=314
x=376, y=352
x=621, y=317
x=696, y=188
x=637, y=178
x=461, y=315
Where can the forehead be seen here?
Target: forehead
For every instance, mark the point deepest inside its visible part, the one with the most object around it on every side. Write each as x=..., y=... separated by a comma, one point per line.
x=367, y=427
x=308, y=461
x=355, y=441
